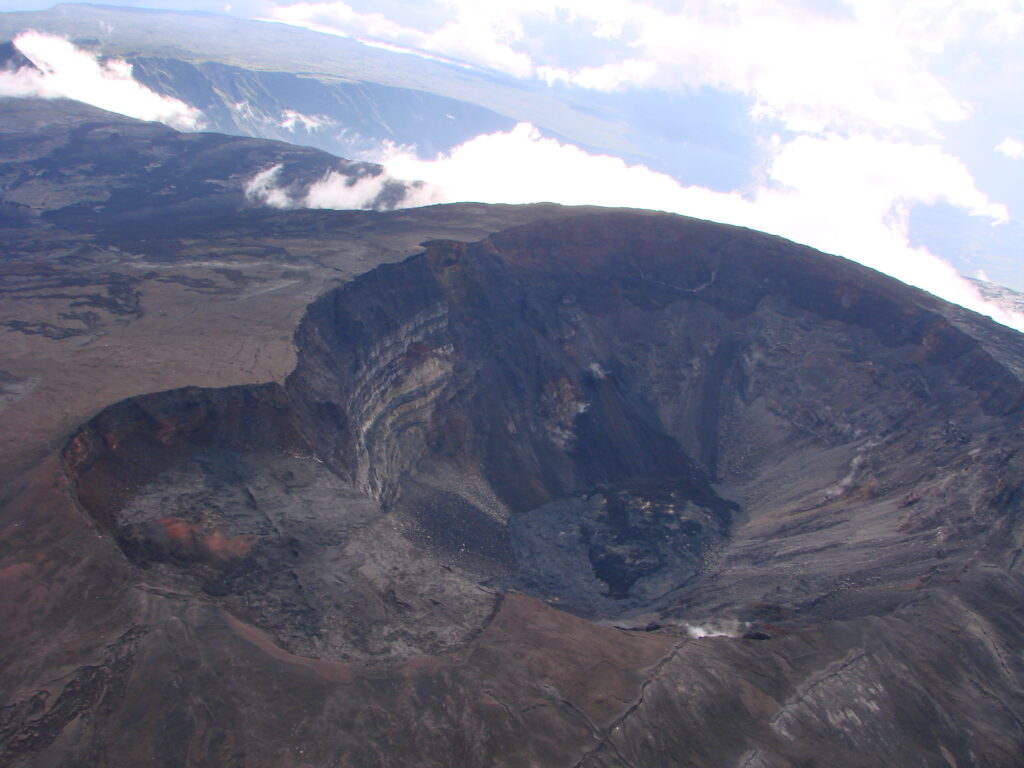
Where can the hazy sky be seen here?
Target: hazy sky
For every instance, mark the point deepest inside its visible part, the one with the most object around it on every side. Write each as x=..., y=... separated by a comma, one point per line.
x=890, y=131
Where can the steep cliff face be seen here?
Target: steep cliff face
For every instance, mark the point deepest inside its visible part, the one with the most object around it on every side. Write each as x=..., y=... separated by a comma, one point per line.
x=680, y=429
x=279, y=81
x=344, y=118
x=472, y=391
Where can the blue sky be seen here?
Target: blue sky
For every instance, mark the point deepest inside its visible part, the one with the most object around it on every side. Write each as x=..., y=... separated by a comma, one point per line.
x=890, y=132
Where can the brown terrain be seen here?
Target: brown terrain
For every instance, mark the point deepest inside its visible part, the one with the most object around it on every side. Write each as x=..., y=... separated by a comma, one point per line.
x=480, y=485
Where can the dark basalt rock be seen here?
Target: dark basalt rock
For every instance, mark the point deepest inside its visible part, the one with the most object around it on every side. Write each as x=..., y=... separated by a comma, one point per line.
x=679, y=429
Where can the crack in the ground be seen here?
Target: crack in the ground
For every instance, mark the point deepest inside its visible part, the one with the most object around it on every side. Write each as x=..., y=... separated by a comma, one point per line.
x=605, y=735
x=818, y=682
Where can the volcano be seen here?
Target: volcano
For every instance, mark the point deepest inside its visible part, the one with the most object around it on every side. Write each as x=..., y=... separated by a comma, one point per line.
x=493, y=486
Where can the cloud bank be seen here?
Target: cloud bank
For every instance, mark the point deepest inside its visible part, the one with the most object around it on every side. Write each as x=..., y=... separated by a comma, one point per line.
x=340, y=191
x=845, y=195
x=812, y=65
x=1012, y=148
x=65, y=71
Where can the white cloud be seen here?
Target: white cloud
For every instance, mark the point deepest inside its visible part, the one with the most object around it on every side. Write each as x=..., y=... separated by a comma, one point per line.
x=868, y=65
x=393, y=48
x=338, y=17
x=263, y=188
x=290, y=120
x=257, y=121
x=338, y=191
x=607, y=77
x=812, y=72
x=68, y=72
x=480, y=33
x=1011, y=148
x=843, y=195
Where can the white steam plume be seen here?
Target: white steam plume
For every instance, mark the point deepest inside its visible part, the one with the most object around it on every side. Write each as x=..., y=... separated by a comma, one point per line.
x=716, y=628
x=65, y=71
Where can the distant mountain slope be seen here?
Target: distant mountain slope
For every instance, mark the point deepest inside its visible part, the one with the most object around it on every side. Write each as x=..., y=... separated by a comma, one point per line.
x=344, y=118
x=215, y=62
x=257, y=78
x=89, y=162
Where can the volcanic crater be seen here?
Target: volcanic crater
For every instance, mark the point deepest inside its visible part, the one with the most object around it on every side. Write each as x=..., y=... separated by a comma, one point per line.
x=645, y=420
